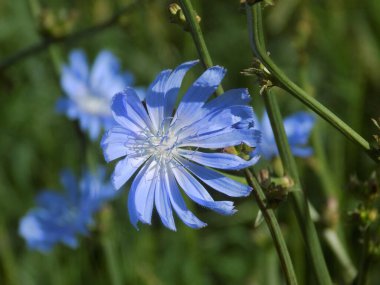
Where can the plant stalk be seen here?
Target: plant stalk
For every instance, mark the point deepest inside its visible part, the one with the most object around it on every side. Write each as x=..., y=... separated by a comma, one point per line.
x=299, y=201
x=196, y=33
x=270, y=218
x=280, y=79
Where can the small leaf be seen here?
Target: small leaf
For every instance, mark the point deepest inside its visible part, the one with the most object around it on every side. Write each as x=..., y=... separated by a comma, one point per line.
x=259, y=219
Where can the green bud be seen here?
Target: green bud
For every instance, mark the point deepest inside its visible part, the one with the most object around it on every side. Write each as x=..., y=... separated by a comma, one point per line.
x=276, y=188
x=178, y=17
x=56, y=24
x=264, y=77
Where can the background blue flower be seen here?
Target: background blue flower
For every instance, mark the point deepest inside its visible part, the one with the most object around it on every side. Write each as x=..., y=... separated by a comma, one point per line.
x=59, y=217
x=171, y=149
x=89, y=92
x=298, y=128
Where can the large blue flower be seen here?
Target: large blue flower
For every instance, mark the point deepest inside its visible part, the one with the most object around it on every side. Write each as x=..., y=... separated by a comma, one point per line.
x=89, y=93
x=297, y=128
x=170, y=148
x=59, y=217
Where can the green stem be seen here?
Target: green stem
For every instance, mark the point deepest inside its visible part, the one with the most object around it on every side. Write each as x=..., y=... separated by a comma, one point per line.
x=301, y=206
x=111, y=260
x=7, y=258
x=255, y=32
x=274, y=228
x=330, y=234
x=270, y=218
x=332, y=239
x=47, y=42
x=196, y=33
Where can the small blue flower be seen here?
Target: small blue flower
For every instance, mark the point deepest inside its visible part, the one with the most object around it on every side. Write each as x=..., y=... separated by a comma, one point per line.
x=297, y=127
x=59, y=217
x=89, y=93
x=170, y=147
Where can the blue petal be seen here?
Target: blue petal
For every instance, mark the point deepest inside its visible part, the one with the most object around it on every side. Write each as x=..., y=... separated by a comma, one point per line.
x=173, y=85
x=224, y=138
x=162, y=203
x=199, y=194
x=216, y=180
x=134, y=216
x=196, y=96
x=266, y=129
x=118, y=142
x=30, y=229
x=78, y=64
x=72, y=84
x=129, y=112
x=104, y=63
x=229, y=98
x=155, y=100
x=49, y=199
x=125, y=168
x=170, y=186
x=70, y=184
x=141, y=93
x=215, y=120
x=218, y=160
x=62, y=105
x=298, y=127
x=302, y=151
x=94, y=128
x=144, y=197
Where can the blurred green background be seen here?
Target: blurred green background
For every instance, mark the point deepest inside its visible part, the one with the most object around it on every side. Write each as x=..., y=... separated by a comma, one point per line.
x=330, y=48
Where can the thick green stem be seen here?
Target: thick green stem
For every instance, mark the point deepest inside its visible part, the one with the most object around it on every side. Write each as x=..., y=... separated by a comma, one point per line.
x=255, y=32
x=270, y=218
x=301, y=206
x=336, y=246
x=274, y=228
x=196, y=33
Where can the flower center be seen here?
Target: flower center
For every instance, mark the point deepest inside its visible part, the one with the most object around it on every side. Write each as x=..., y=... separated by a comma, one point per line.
x=95, y=105
x=163, y=146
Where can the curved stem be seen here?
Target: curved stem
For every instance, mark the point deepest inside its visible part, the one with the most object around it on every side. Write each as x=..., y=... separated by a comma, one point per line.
x=299, y=201
x=270, y=218
x=47, y=42
x=255, y=32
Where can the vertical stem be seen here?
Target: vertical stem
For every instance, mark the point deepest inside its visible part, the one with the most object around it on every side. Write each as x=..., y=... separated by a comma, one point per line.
x=196, y=33
x=274, y=228
x=111, y=259
x=270, y=218
x=300, y=204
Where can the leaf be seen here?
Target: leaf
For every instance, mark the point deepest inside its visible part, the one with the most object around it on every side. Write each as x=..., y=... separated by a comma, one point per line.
x=259, y=219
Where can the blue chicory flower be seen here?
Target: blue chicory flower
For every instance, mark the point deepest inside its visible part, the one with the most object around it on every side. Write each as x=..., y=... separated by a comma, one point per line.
x=297, y=128
x=171, y=148
x=89, y=93
x=59, y=217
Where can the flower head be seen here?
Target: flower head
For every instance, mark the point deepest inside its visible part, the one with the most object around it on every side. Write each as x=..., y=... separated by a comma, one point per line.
x=297, y=128
x=59, y=217
x=169, y=148
x=89, y=93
